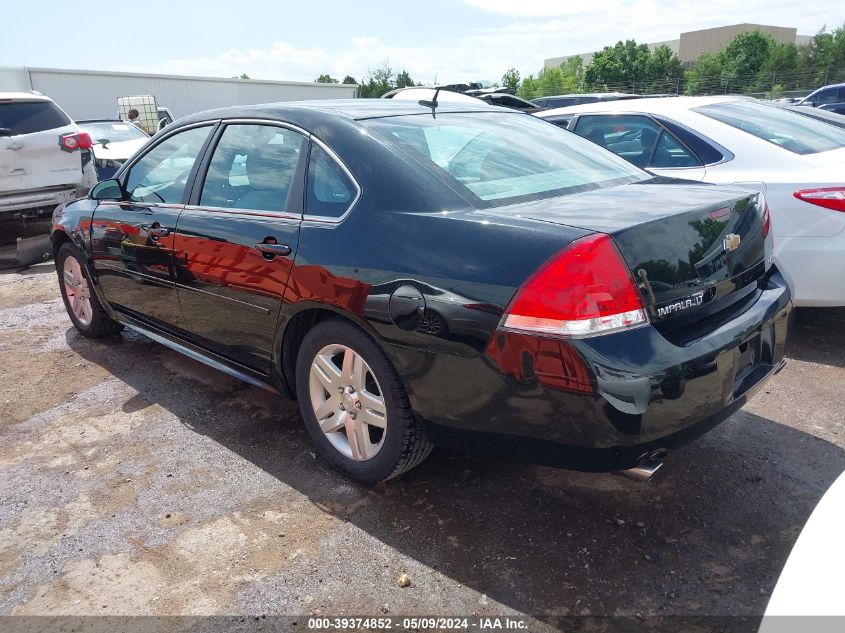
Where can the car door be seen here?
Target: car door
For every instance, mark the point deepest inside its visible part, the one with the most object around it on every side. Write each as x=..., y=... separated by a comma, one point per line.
x=236, y=241
x=132, y=239
x=641, y=140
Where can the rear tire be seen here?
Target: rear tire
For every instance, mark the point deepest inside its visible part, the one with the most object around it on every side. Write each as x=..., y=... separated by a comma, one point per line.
x=81, y=302
x=366, y=427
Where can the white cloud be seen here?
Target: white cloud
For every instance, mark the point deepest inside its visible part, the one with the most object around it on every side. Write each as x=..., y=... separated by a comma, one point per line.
x=523, y=43
x=538, y=8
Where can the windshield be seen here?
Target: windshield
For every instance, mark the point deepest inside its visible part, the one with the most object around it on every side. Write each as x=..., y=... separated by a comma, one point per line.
x=114, y=132
x=791, y=131
x=505, y=158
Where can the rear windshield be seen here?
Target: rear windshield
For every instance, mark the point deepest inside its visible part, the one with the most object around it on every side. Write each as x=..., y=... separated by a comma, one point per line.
x=26, y=117
x=505, y=158
x=793, y=132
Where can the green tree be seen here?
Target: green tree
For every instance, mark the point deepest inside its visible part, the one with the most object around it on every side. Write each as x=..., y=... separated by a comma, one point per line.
x=349, y=79
x=242, y=76
x=511, y=79
x=744, y=58
x=634, y=67
x=378, y=81
x=403, y=79
x=326, y=79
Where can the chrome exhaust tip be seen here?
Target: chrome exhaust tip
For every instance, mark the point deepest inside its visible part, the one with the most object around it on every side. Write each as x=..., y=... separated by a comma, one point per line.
x=647, y=467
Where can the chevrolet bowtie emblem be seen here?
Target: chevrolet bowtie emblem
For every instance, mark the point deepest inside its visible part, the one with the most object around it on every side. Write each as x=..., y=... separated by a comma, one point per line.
x=731, y=242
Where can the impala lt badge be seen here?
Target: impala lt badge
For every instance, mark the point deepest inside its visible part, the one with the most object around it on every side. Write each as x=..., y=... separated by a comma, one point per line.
x=692, y=301
x=731, y=242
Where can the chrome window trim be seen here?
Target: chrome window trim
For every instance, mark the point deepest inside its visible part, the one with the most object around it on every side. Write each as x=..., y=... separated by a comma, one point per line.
x=272, y=122
x=325, y=219
x=276, y=215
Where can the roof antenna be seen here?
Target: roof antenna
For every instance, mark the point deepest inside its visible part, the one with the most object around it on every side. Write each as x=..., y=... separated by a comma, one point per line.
x=433, y=103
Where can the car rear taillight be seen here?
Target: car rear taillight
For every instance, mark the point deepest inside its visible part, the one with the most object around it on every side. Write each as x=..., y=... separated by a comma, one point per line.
x=827, y=197
x=73, y=142
x=583, y=290
x=767, y=221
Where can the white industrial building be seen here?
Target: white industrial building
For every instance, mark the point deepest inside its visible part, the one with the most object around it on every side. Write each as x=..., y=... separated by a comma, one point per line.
x=92, y=94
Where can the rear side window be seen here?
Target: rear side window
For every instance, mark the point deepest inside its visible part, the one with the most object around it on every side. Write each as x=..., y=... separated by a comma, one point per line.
x=27, y=117
x=793, y=132
x=670, y=153
x=330, y=190
x=708, y=154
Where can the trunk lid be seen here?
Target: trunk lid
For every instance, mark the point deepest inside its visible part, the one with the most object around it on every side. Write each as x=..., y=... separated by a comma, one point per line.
x=693, y=250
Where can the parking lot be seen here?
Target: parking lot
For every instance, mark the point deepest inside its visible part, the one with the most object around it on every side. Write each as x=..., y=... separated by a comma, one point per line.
x=137, y=481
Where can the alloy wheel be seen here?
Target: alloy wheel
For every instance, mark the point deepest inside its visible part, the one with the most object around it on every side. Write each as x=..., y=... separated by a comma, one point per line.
x=77, y=291
x=348, y=402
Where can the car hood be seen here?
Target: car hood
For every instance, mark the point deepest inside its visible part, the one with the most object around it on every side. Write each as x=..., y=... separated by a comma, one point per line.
x=120, y=150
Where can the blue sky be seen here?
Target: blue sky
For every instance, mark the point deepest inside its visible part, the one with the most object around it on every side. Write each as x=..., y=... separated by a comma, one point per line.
x=442, y=40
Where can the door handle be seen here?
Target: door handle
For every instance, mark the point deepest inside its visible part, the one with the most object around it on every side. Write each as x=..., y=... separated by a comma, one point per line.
x=156, y=232
x=270, y=250
x=14, y=145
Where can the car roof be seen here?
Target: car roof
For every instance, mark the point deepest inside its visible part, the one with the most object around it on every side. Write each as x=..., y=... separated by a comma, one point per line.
x=591, y=94
x=23, y=96
x=355, y=109
x=842, y=85
x=655, y=105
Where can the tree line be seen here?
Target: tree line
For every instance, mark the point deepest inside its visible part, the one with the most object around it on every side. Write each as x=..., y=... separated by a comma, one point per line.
x=376, y=82
x=754, y=63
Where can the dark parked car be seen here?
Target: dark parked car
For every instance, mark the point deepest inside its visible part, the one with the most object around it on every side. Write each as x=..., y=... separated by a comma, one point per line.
x=509, y=101
x=415, y=275
x=828, y=116
x=831, y=98
x=562, y=101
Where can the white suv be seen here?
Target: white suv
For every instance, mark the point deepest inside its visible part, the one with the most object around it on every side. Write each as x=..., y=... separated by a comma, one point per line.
x=45, y=159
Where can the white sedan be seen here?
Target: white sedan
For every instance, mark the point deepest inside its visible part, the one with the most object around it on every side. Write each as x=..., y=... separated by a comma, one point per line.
x=798, y=162
x=115, y=142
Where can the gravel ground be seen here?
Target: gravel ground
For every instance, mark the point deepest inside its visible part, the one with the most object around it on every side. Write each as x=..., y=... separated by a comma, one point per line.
x=137, y=481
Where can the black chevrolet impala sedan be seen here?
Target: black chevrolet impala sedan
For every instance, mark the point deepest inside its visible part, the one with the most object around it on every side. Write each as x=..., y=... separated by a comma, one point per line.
x=421, y=273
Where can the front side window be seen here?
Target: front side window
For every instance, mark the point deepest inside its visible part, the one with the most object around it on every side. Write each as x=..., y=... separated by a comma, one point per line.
x=788, y=130
x=160, y=176
x=27, y=117
x=502, y=158
x=330, y=191
x=632, y=137
x=253, y=167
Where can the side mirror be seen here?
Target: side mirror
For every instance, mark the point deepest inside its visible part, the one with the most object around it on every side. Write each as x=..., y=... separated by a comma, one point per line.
x=107, y=190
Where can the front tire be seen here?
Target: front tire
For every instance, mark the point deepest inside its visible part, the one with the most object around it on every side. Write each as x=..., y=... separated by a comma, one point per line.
x=354, y=404
x=81, y=302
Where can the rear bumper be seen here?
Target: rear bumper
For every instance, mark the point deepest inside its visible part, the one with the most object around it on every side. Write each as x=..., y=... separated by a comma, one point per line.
x=47, y=199
x=646, y=392
x=808, y=264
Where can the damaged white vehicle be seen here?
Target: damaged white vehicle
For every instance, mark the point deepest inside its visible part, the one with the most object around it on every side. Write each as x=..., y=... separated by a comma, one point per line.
x=45, y=159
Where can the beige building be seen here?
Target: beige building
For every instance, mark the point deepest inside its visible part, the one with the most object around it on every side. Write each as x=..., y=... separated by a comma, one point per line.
x=691, y=44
